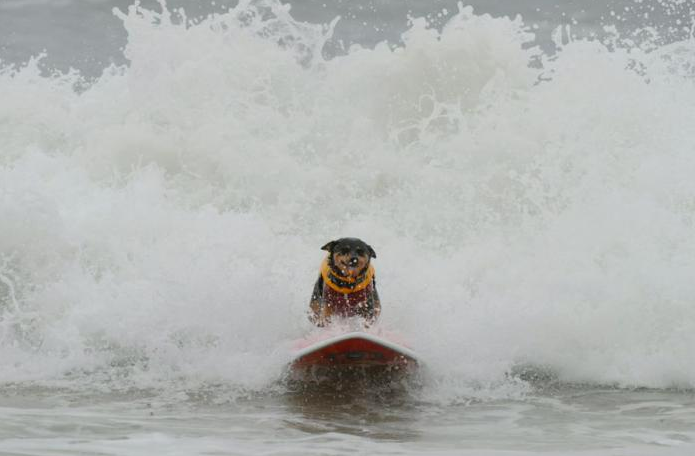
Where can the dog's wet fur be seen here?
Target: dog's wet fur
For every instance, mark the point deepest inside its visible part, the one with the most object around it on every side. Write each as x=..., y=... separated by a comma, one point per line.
x=348, y=257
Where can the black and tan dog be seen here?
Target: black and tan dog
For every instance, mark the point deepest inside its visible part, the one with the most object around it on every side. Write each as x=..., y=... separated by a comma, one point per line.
x=346, y=286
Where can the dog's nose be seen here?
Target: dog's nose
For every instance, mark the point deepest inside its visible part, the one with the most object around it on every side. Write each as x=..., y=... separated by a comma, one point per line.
x=353, y=261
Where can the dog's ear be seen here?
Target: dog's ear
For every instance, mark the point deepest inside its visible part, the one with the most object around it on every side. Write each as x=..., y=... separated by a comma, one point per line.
x=329, y=247
x=372, y=253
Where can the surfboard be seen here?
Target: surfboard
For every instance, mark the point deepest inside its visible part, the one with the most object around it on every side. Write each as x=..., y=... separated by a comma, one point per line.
x=353, y=350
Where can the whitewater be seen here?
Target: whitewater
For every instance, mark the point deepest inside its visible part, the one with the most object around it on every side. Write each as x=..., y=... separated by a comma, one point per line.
x=531, y=204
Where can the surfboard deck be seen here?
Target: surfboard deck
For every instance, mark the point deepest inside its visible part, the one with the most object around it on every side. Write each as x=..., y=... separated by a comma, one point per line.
x=354, y=349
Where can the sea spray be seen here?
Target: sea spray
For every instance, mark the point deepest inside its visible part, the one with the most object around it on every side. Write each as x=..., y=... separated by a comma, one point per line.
x=161, y=227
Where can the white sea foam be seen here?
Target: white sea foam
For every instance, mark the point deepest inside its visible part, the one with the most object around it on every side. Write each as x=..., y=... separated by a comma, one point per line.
x=163, y=224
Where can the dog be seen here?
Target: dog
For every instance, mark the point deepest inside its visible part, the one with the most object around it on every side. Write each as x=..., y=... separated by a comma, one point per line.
x=346, y=286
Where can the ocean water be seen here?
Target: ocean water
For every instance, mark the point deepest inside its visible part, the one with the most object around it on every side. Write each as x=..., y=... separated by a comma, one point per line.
x=169, y=171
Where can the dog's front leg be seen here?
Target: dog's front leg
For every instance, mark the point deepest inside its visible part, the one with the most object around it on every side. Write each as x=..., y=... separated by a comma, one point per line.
x=318, y=313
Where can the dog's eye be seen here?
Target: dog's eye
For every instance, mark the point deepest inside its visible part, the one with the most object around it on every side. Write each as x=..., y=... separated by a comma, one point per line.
x=360, y=252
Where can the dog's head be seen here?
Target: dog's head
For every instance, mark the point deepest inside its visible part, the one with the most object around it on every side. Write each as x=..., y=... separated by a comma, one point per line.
x=350, y=256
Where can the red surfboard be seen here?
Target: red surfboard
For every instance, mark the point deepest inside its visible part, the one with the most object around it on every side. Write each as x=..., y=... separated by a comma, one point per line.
x=353, y=349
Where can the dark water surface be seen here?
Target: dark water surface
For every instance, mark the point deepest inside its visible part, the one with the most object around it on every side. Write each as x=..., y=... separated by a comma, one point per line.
x=566, y=421
x=87, y=36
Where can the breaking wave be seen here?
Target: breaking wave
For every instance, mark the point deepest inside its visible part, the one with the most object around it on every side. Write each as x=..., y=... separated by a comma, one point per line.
x=161, y=225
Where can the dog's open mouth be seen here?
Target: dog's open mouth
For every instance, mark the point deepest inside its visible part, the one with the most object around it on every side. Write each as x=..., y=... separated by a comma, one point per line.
x=350, y=270
x=353, y=269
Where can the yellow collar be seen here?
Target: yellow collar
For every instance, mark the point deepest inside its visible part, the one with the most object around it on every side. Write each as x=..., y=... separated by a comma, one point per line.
x=343, y=284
